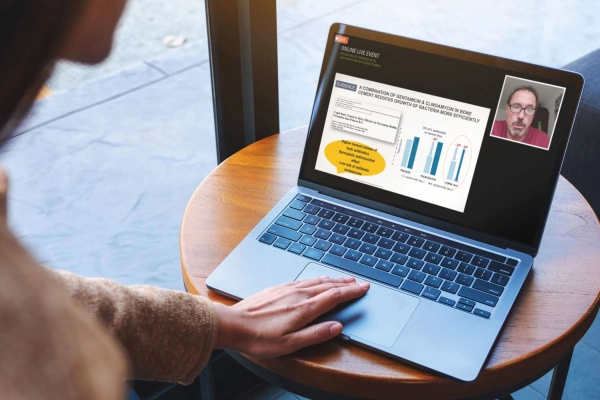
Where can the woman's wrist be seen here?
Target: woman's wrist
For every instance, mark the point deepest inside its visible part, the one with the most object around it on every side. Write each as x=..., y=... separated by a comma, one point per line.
x=228, y=334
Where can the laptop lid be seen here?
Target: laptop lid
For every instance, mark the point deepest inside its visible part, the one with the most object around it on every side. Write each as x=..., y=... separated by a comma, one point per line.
x=439, y=135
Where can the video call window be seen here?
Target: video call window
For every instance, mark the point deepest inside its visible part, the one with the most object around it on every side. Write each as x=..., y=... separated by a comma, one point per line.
x=527, y=112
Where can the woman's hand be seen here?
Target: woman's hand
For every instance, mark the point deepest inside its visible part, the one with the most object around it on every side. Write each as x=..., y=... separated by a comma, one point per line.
x=276, y=321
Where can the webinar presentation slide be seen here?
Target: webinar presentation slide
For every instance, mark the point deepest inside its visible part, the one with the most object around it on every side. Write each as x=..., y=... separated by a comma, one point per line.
x=414, y=144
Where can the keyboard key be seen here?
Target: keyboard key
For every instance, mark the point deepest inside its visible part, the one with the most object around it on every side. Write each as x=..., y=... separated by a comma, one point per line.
x=288, y=223
x=431, y=293
x=322, y=245
x=352, y=243
x=363, y=270
x=297, y=248
x=386, y=243
x=297, y=204
x=465, y=280
x=431, y=246
x=448, y=274
x=416, y=241
x=356, y=233
x=433, y=258
x=322, y=234
x=308, y=240
x=433, y=281
x=295, y=214
x=468, y=302
x=483, y=274
x=499, y=279
x=353, y=255
x=412, y=287
x=401, y=248
x=431, y=269
x=400, y=270
x=399, y=258
x=480, y=261
x=385, y=232
x=355, y=222
x=449, y=263
x=326, y=224
x=337, y=250
x=504, y=269
x=488, y=287
x=414, y=263
x=340, y=218
x=400, y=236
x=267, y=238
x=447, y=251
x=478, y=296
x=284, y=232
x=466, y=268
x=370, y=227
x=371, y=238
x=312, y=209
x=463, y=256
x=325, y=213
x=384, y=265
x=464, y=307
x=417, y=253
x=313, y=253
x=337, y=238
x=450, y=287
x=312, y=219
x=416, y=276
x=304, y=198
x=447, y=301
x=512, y=262
x=308, y=229
x=367, y=248
x=481, y=313
x=368, y=260
x=383, y=253
x=341, y=229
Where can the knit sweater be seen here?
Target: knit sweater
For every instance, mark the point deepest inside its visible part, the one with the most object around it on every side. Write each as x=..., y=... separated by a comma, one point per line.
x=67, y=337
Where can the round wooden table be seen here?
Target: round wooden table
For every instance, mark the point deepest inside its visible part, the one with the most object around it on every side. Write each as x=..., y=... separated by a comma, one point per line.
x=558, y=303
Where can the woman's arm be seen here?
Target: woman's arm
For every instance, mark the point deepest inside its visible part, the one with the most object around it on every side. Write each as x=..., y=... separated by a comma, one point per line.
x=167, y=335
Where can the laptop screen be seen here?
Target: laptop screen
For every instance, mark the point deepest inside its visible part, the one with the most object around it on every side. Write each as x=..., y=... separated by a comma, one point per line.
x=466, y=139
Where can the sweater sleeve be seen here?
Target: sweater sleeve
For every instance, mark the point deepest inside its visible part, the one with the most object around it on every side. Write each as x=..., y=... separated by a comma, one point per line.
x=168, y=335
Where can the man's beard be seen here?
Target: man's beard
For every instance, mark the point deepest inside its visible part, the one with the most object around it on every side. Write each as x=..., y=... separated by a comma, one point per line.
x=517, y=131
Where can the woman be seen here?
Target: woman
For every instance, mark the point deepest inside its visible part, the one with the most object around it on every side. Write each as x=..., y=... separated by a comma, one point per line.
x=66, y=337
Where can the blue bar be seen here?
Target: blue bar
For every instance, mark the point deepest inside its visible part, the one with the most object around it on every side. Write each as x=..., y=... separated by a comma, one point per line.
x=429, y=159
x=452, y=166
x=462, y=156
x=406, y=152
x=413, y=152
x=436, y=160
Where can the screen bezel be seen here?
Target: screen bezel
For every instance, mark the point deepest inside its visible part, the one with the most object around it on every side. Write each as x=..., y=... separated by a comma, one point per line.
x=309, y=177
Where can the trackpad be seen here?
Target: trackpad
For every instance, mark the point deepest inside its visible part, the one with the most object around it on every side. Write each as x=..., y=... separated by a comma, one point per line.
x=378, y=317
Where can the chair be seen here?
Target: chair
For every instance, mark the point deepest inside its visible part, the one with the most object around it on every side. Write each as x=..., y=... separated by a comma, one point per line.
x=583, y=152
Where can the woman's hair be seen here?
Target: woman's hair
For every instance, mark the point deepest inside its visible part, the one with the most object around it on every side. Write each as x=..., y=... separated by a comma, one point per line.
x=32, y=32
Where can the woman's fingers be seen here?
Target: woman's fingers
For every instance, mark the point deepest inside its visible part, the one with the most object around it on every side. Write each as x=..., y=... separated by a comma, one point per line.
x=310, y=336
x=311, y=282
x=327, y=299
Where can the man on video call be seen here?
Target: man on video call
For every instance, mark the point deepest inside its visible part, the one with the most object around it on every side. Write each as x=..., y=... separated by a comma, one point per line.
x=520, y=110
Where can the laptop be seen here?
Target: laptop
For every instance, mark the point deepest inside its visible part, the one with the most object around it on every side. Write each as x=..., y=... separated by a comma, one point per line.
x=428, y=171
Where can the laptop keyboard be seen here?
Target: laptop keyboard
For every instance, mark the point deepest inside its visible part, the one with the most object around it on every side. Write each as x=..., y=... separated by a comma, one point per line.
x=430, y=266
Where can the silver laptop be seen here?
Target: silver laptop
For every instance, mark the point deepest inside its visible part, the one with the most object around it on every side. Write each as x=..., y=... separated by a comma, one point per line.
x=428, y=171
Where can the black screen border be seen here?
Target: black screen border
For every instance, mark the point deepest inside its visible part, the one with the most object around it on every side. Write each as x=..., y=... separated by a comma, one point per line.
x=338, y=187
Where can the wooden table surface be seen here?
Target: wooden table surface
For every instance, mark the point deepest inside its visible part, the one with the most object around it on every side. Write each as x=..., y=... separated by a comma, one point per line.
x=558, y=303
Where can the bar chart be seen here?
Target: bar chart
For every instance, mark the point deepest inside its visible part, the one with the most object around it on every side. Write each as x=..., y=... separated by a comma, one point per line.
x=458, y=160
x=410, y=153
x=433, y=158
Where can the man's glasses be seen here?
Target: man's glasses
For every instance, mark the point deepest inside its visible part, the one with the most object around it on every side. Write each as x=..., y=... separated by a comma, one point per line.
x=516, y=108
